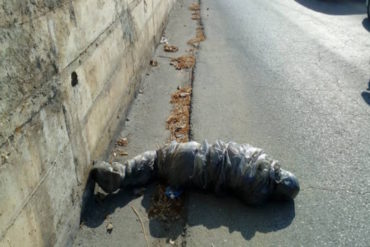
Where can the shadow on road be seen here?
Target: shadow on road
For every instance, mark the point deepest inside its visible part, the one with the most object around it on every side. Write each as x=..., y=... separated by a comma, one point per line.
x=366, y=24
x=202, y=209
x=213, y=212
x=366, y=94
x=96, y=207
x=335, y=7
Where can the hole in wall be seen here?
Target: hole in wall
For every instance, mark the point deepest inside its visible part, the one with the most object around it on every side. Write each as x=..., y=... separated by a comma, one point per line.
x=74, y=79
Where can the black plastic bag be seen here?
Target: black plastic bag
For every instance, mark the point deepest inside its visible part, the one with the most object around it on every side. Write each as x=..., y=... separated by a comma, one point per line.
x=241, y=169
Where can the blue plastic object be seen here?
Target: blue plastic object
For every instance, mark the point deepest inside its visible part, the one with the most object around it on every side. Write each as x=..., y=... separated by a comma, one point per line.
x=173, y=193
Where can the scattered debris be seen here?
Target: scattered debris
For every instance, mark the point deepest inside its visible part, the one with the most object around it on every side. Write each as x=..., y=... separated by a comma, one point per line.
x=183, y=62
x=195, y=15
x=194, y=7
x=122, y=153
x=199, y=37
x=122, y=142
x=142, y=224
x=153, y=63
x=18, y=129
x=4, y=157
x=164, y=208
x=109, y=227
x=164, y=40
x=170, y=48
x=178, y=122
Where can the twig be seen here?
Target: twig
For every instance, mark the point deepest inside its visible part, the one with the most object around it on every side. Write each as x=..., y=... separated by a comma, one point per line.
x=142, y=224
x=165, y=57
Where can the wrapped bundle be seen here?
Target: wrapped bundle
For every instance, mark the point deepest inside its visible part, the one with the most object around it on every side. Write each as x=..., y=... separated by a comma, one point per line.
x=241, y=169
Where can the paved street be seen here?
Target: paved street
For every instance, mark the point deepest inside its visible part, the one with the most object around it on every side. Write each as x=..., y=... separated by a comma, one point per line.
x=290, y=77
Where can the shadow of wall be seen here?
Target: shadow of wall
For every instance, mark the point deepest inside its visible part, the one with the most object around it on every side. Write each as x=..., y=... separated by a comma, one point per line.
x=335, y=7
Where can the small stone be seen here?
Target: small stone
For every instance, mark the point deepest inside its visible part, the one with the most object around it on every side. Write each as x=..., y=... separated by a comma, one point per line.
x=109, y=228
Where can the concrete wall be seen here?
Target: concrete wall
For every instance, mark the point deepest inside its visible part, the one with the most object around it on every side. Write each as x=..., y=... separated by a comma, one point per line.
x=50, y=131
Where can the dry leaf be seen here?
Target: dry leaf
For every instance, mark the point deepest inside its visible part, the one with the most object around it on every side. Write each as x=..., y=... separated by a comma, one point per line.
x=122, y=153
x=153, y=63
x=178, y=122
x=170, y=48
x=199, y=37
x=183, y=62
x=18, y=129
x=122, y=142
x=194, y=7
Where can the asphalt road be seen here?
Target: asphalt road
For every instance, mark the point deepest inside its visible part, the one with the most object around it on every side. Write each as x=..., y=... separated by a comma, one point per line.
x=290, y=77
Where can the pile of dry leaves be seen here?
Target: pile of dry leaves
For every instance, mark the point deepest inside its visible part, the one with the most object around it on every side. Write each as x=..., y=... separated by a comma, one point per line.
x=194, y=7
x=164, y=208
x=178, y=123
x=199, y=35
x=183, y=62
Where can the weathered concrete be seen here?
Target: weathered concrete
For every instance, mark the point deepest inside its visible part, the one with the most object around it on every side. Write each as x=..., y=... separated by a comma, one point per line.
x=51, y=130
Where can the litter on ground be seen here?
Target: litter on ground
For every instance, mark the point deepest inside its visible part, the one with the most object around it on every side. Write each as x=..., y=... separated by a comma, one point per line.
x=164, y=40
x=194, y=7
x=122, y=142
x=170, y=48
x=183, y=62
x=153, y=63
x=199, y=37
x=178, y=122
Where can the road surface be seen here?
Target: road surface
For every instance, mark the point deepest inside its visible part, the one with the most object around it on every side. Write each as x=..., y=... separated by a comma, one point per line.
x=290, y=77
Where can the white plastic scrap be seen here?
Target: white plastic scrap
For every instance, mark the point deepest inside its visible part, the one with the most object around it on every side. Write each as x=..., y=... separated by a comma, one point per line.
x=164, y=40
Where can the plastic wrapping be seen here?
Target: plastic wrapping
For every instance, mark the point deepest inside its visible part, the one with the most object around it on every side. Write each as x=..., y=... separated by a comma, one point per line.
x=134, y=172
x=241, y=169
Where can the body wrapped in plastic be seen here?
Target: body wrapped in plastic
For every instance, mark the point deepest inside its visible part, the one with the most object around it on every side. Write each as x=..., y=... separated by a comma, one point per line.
x=241, y=169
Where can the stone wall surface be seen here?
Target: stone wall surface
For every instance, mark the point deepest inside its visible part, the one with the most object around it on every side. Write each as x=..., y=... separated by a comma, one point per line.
x=68, y=72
